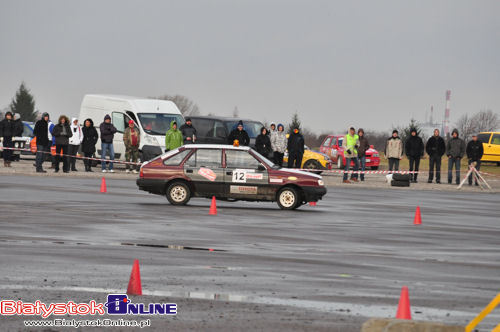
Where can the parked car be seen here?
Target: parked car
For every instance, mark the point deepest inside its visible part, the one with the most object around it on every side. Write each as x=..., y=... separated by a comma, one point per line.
x=313, y=160
x=151, y=116
x=228, y=173
x=491, y=146
x=332, y=146
x=216, y=129
x=22, y=142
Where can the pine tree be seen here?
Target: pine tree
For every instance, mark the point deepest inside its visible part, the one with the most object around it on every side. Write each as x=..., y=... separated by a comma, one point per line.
x=294, y=124
x=24, y=104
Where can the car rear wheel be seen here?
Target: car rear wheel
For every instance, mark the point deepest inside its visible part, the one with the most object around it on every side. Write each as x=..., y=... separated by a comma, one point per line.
x=340, y=162
x=288, y=198
x=178, y=193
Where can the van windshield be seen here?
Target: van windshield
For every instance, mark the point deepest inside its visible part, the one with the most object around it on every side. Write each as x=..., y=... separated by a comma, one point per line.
x=158, y=123
x=251, y=127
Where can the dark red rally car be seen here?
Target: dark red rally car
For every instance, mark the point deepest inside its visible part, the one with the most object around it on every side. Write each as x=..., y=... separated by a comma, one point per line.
x=228, y=173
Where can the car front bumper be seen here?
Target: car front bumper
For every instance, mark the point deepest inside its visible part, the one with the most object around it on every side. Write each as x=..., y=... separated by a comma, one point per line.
x=313, y=194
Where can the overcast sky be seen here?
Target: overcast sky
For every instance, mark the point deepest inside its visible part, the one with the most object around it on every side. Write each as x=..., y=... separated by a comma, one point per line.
x=371, y=64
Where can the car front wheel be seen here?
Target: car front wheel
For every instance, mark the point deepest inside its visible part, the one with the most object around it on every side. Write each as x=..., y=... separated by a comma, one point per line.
x=288, y=198
x=178, y=193
x=340, y=162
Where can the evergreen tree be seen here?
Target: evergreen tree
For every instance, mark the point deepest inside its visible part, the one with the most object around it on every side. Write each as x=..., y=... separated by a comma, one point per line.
x=405, y=132
x=24, y=104
x=294, y=124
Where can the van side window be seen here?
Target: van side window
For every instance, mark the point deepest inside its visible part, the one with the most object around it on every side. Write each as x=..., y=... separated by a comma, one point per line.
x=204, y=127
x=219, y=129
x=118, y=120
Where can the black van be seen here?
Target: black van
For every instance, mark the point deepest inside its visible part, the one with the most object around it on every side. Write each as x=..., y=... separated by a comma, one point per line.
x=216, y=129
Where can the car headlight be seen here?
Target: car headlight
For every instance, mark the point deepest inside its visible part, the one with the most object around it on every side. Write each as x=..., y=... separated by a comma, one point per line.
x=16, y=145
x=148, y=139
x=321, y=182
x=375, y=155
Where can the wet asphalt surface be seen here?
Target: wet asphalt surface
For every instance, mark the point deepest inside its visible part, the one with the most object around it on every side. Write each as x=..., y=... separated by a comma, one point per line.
x=325, y=267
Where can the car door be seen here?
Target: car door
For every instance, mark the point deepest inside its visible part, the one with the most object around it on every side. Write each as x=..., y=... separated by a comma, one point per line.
x=245, y=177
x=493, y=148
x=204, y=169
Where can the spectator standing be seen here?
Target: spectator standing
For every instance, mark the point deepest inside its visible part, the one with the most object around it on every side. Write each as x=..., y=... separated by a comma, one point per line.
x=394, y=151
x=435, y=149
x=52, y=140
x=414, y=148
x=107, y=134
x=350, y=143
x=89, y=141
x=173, y=137
x=295, y=148
x=8, y=129
x=455, y=150
x=475, y=152
x=132, y=140
x=41, y=133
x=263, y=143
x=188, y=132
x=239, y=134
x=278, y=144
x=62, y=133
x=74, y=142
x=364, y=145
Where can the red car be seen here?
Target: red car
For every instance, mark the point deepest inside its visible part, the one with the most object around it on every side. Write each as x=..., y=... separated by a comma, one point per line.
x=228, y=173
x=332, y=146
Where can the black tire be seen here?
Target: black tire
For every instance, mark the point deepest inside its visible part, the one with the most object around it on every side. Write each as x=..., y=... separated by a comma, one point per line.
x=340, y=162
x=312, y=164
x=498, y=164
x=178, y=193
x=374, y=167
x=288, y=198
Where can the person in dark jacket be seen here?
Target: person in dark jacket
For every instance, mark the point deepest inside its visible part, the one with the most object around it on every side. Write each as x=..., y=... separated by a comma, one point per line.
x=188, y=132
x=455, y=150
x=90, y=138
x=41, y=133
x=62, y=133
x=295, y=148
x=8, y=129
x=239, y=134
x=435, y=148
x=474, y=152
x=414, y=148
x=107, y=134
x=364, y=145
x=263, y=143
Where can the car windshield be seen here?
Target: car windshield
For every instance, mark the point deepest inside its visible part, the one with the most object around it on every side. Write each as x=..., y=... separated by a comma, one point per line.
x=251, y=127
x=264, y=159
x=27, y=131
x=158, y=123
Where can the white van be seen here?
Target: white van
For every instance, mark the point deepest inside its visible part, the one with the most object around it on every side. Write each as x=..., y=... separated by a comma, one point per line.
x=151, y=116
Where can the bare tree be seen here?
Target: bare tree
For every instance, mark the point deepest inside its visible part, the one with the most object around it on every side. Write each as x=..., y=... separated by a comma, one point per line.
x=486, y=120
x=466, y=126
x=185, y=105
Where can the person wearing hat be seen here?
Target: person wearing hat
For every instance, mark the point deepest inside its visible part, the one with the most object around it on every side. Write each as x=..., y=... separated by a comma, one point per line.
x=239, y=134
x=474, y=152
x=188, y=132
x=295, y=148
x=394, y=151
x=132, y=140
x=414, y=148
x=364, y=145
x=278, y=144
x=41, y=133
x=62, y=132
x=350, y=144
x=89, y=141
x=107, y=134
x=8, y=129
x=435, y=148
x=74, y=142
x=455, y=150
x=173, y=137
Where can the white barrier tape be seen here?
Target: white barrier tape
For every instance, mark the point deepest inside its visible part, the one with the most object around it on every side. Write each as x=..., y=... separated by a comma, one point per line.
x=381, y=172
x=77, y=156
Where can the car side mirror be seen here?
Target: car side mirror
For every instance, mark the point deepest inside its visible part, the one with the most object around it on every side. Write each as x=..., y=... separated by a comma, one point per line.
x=261, y=168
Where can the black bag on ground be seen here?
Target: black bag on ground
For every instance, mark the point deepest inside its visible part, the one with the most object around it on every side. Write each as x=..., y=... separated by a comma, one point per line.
x=396, y=183
x=401, y=177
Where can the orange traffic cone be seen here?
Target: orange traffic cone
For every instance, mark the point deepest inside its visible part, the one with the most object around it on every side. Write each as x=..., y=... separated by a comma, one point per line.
x=134, y=285
x=404, y=311
x=213, y=207
x=103, y=185
x=418, y=217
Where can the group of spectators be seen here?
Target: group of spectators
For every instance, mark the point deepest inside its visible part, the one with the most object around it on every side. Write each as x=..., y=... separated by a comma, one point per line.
x=355, y=147
x=10, y=126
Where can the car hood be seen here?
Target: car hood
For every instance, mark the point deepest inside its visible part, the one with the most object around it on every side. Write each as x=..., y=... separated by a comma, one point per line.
x=296, y=171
